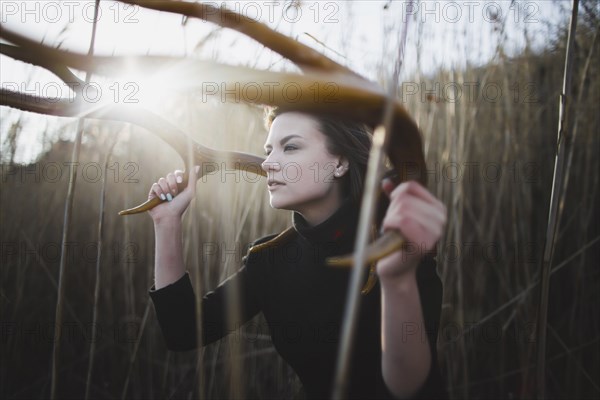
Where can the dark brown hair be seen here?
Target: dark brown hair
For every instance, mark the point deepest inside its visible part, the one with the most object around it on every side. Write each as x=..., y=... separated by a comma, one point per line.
x=343, y=138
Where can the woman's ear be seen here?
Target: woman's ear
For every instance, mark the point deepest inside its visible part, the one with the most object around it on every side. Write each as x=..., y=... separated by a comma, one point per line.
x=342, y=167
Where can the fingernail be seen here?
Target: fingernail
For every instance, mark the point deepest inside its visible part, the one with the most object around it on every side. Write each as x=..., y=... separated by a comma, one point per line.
x=169, y=197
x=162, y=197
x=179, y=179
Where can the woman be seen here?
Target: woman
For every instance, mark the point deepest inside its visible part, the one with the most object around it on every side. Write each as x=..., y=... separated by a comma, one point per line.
x=315, y=168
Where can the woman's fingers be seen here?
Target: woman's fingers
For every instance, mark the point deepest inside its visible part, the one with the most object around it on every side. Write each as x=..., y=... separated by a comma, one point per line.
x=428, y=215
x=167, y=187
x=179, y=179
x=419, y=222
x=156, y=191
x=416, y=213
x=165, y=191
x=403, y=199
x=409, y=187
x=173, y=190
x=416, y=189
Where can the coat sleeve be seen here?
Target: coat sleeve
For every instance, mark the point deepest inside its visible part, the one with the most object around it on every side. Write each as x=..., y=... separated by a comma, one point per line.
x=175, y=307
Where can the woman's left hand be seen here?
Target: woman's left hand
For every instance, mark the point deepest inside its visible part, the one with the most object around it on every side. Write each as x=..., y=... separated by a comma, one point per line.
x=420, y=218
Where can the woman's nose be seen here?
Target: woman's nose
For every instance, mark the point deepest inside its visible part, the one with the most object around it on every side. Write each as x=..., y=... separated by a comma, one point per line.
x=270, y=165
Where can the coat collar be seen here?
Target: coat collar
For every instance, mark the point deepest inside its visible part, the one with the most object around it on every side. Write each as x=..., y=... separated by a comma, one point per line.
x=340, y=226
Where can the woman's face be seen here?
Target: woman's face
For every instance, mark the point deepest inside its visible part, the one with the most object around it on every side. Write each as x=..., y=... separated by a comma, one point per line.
x=301, y=173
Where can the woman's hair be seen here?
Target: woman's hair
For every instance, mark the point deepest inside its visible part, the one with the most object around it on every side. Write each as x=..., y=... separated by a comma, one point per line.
x=343, y=138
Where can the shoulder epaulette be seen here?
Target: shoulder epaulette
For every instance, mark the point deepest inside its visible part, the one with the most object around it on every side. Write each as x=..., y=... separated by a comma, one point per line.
x=279, y=239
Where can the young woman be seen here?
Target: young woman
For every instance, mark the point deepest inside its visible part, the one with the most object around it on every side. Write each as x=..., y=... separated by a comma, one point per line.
x=284, y=276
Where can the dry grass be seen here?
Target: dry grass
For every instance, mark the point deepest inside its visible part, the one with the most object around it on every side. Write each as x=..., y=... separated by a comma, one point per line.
x=497, y=224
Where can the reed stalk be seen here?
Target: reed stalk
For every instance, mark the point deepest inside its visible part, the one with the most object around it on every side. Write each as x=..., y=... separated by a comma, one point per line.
x=66, y=227
x=97, y=277
x=134, y=353
x=381, y=139
x=563, y=141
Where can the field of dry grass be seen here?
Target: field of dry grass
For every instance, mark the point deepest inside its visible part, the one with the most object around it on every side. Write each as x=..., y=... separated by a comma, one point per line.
x=490, y=156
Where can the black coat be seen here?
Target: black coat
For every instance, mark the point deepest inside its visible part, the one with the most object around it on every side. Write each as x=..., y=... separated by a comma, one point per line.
x=303, y=303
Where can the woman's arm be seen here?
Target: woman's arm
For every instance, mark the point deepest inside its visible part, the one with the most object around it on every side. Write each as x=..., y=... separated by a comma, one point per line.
x=406, y=357
x=173, y=294
x=168, y=265
x=168, y=262
x=406, y=354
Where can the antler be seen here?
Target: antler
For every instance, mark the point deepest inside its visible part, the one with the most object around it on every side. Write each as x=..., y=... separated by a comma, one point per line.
x=303, y=56
x=404, y=147
x=203, y=156
x=325, y=88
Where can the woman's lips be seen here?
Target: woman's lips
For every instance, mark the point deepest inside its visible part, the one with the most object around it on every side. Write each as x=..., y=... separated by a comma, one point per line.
x=274, y=184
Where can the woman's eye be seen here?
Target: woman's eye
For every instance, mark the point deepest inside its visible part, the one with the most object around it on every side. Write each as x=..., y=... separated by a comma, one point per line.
x=285, y=148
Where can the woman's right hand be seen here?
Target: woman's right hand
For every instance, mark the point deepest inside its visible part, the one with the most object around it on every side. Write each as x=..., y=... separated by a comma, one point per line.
x=166, y=188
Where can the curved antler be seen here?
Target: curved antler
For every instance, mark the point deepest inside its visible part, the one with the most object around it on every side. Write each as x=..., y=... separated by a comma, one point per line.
x=304, y=56
x=404, y=147
x=325, y=88
x=203, y=156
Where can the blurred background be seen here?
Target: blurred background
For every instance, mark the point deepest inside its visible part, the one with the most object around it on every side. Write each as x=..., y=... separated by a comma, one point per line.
x=482, y=80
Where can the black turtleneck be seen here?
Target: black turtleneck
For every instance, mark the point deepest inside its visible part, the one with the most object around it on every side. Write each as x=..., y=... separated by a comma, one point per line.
x=303, y=302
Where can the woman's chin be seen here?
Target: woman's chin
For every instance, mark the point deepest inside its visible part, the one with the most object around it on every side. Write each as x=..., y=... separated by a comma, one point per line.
x=273, y=202
x=280, y=204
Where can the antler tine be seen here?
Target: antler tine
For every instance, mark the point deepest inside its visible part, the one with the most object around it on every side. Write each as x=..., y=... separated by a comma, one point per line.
x=382, y=247
x=177, y=139
x=302, y=55
x=60, y=70
x=26, y=102
x=103, y=65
